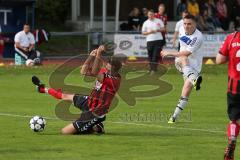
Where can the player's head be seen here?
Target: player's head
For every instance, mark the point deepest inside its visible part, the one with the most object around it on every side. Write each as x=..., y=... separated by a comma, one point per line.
x=161, y=9
x=114, y=64
x=26, y=28
x=189, y=23
x=151, y=14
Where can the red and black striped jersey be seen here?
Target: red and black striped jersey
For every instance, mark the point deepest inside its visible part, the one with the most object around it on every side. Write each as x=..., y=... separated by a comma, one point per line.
x=103, y=93
x=164, y=18
x=231, y=49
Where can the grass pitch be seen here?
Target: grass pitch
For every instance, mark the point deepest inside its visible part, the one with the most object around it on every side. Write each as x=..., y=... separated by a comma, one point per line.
x=132, y=133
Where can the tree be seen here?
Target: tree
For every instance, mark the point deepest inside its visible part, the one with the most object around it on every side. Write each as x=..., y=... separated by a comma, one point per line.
x=52, y=12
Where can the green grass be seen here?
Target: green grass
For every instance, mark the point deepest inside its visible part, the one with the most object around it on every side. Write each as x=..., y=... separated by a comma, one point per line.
x=132, y=133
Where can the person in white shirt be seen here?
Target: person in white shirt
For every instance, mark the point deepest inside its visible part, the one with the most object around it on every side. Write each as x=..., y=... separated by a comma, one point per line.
x=188, y=61
x=24, y=45
x=179, y=24
x=152, y=29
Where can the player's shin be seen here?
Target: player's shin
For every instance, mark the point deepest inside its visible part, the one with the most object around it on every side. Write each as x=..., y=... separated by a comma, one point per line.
x=180, y=106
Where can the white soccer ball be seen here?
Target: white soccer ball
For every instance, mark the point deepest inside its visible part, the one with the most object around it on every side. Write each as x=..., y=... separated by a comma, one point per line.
x=29, y=62
x=37, y=123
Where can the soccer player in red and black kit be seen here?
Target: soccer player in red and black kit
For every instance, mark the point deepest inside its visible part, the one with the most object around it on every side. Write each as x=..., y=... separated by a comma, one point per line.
x=95, y=106
x=230, y=52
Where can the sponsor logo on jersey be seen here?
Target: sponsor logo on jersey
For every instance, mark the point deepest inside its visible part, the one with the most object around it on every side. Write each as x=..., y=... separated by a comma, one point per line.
x=186, y=40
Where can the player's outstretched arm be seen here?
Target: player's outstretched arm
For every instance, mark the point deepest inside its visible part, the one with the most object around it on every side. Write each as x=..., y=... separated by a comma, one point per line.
x=87, y=66
x=97, y=64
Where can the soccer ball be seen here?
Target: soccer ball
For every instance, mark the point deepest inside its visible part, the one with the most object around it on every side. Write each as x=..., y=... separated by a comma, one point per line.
x=37, y=123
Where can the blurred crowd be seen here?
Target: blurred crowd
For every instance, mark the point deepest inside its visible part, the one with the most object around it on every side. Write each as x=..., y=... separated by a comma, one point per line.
x=212, y=15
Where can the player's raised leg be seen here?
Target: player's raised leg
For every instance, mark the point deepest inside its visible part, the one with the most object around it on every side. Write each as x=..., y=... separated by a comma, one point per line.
x=190, y=73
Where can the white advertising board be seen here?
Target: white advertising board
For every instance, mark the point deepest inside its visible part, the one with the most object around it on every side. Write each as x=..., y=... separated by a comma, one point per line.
x=135, y=44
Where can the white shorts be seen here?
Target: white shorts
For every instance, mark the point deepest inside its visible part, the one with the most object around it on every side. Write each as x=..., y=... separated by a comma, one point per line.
x=179, y=68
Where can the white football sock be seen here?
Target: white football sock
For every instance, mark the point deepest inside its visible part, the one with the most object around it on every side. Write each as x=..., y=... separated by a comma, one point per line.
x=180, y=106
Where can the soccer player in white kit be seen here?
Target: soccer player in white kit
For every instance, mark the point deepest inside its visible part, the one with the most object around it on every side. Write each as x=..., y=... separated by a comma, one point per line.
x=188, y=61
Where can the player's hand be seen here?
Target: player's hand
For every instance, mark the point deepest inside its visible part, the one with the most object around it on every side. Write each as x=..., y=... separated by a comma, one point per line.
x=100, y=50
x=25, y=49
x=164, y=54
x=152, y=32
x=93, y=53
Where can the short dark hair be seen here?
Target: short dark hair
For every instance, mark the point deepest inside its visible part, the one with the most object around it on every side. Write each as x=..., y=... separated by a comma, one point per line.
x=189, y=16
x=151, y=10
x=115, y=63
x=185, y=11
x=26, y=24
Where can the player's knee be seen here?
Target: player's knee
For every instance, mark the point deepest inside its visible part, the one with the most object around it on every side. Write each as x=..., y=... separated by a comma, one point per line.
x=67, y=97
x=184, y=60
x=65, y=131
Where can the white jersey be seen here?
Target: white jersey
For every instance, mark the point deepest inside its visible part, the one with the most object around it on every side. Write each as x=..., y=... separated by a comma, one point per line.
x=24, y=39
x=192, y=43
x=179, y=24
x=153, y=25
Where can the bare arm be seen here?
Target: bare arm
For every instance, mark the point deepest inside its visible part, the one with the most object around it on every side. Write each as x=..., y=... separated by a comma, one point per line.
x=220, y=59
x=86, y=68
x=147, y=33
x=97, y=61
x=176, y=54
x=154, y=31
x=92, y=65
x=175, y=37
x=20, y=47
x=97, y=64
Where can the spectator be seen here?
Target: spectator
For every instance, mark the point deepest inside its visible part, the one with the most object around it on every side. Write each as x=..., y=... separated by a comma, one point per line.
x=134, y=20
x=144, y=16
x=162, y=16
x=152, y=29
x=177, y=27
x=193, y=8
x=211, y=8
x=236, y=14
x=24, y=46
x=181, y=7
x=222, y=14
x=205, y=23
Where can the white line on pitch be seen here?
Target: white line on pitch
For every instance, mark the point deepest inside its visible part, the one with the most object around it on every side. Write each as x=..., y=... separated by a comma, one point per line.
x=126, y=123
x=166, y=127
x=22, y=116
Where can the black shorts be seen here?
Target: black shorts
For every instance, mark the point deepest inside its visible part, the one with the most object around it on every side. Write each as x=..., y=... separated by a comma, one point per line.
x=87, y=119
x=233, y=102
x=86, y=122
x=81, y=102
